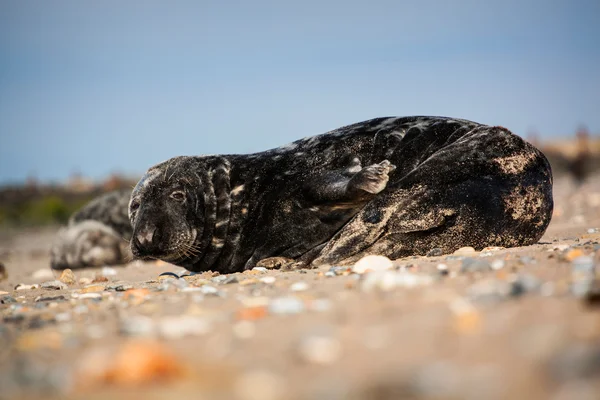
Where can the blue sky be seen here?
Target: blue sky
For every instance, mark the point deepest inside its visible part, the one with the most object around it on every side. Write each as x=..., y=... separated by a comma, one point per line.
x=117, y=86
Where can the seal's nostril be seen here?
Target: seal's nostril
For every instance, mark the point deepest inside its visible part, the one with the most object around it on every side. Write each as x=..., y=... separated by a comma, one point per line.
x=145, y=236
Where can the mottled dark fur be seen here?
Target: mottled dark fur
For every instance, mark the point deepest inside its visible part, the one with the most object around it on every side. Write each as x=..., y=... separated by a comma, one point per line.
x=98, y=234
x=335, y=197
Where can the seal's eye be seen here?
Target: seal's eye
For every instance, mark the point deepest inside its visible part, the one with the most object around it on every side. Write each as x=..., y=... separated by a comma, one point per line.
x=134, y=206
x=178, y=195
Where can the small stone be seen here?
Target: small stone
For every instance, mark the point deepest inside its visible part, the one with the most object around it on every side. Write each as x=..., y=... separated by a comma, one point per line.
x=572, y=254
x=50, y=298
x=442, y=269
x=3, y=272
x=22, y=286
x=286, y=305
x=269, y=280
x=251, y=313
x=260, y=269
x=138, y=326
x=523, y=283
x=41, y=274
x=220, y=278
x=229, y=279
x=435, y=252
x=299, y=286
x=67, y=277
x=109, y=272
x=180, y=326
x=249, y=281
x=93, y=288
x=372, y=263
x=119, y=287
x=465, y=251
x=208, y=290
x=319, y=349
x=93, y=296
x=593, y=230
x=497, y=264
x=329, y=274
x=7, y=299
x=467, y=319
x=54, y=285
x=85, y=281
x=592, y=295
x=100, y=279
x=474, y=265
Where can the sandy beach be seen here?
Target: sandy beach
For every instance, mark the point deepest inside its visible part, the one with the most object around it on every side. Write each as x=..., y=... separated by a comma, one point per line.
x=494, y=324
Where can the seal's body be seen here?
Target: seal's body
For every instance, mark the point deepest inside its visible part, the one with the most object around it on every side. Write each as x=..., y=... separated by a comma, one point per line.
x=390, y=186
x=98, y=234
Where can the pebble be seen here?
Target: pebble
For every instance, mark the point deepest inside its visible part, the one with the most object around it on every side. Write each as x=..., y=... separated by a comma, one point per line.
x=269, y=280
x=497, y=264
x=465, y=251
x=44, y=273
x=67, y=277
x=108, y=272
x=329, y=274
x=137, y=326
x=210, y=290
x=6, y=299
x=119, y=287
x=177, y=327
x=54, y=285
x=95, y=296
x=286, y=305
x=442, y=269
x=320, y=349
x=50, y=298
x=523, y=283
x=372, y=263
x=92, y=289
x=260, y=269
x=474, y=265
x=583, y=274
x=388, y=280
x=299, y=286
x=85, y=281
x=435, y=252
x=22, y=286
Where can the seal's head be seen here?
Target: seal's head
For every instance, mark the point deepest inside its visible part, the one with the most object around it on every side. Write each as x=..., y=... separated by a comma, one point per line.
x=165, y=212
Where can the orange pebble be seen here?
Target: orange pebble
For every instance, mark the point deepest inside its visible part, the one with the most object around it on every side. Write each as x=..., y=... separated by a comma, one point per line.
x=251, y=313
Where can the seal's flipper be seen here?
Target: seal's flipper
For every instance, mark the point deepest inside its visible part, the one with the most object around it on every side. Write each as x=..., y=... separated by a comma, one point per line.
x=372, y=179
x=404, y=211
x=353, y=184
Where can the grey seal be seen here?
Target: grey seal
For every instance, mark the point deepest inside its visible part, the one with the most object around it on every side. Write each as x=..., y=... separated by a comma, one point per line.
x=97, y=234
x=395, y=186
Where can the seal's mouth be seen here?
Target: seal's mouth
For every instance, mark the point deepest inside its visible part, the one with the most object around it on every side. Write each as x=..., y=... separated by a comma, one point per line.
x=169, y=249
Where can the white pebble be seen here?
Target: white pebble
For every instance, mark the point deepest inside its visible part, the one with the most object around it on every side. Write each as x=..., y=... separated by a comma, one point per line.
x=299, y=286
x=260, y=269
x=179, y=326
x=108, y=271
x=372, y=263
x=497, y=264
x=43, y=274
x=268, y=280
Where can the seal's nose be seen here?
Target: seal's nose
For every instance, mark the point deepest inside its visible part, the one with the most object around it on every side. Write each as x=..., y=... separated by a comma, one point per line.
x=145, y=236
x=145, y=240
